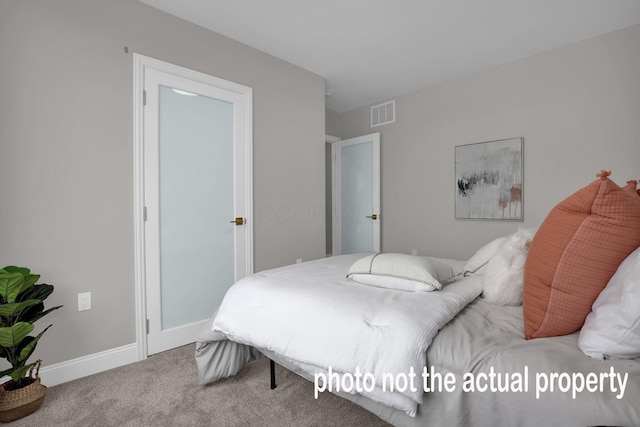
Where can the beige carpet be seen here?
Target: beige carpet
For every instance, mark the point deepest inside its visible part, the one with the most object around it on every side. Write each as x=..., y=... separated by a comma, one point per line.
x=163, y=391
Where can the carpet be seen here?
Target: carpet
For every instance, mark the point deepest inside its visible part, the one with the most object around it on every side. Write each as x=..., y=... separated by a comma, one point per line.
x=163, y=390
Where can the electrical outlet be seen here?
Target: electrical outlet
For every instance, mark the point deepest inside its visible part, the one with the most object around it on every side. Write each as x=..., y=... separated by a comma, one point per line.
x=299, y=260
x=414, y=252
x=84, y=301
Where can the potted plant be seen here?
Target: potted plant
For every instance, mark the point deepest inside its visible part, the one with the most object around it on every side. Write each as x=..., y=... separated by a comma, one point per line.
x=21, y=304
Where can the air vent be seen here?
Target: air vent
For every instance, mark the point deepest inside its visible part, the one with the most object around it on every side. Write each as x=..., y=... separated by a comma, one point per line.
x=382, y=114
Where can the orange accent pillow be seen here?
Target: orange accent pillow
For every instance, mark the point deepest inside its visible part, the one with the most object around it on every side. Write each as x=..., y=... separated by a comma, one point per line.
x=573, y=255
x=631, y=187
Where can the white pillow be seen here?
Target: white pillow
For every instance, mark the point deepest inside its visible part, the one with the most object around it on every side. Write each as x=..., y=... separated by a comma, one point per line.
x=479, y=260
x=504, y=274
x=612, y=329
x=401, y=271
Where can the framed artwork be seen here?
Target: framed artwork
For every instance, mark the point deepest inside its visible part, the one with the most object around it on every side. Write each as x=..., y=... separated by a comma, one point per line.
x=489, y=180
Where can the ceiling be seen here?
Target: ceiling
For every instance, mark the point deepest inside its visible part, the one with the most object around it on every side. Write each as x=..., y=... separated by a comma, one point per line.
x=373, y=50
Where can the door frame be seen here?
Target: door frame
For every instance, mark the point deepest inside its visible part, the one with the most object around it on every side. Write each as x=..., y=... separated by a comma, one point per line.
x=336, y=176
x=140, y=63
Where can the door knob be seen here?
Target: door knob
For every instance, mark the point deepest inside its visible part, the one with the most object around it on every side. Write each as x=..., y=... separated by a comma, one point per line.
x=373, y=217
x=238, y=221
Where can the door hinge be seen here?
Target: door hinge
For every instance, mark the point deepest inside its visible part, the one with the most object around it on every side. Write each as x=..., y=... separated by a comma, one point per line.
x=147, y=326
x=144, y=97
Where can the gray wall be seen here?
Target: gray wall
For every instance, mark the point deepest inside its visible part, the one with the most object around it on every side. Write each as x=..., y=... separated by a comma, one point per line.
x=66, y=153
x=333, y=124
x=578, y=109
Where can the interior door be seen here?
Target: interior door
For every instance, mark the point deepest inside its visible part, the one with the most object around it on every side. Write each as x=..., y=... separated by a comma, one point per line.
x=356, y=195
x=197, y=202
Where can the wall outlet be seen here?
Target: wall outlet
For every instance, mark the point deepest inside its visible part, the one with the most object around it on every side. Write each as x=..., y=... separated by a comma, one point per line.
x=84, y=301
x=299, y=260
x=414, y=252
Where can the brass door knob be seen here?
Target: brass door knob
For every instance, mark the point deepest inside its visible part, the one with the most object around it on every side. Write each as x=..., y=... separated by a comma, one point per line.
x=238, y=221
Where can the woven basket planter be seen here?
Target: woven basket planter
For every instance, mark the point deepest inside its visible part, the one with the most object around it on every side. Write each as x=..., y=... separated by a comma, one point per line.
x=18, y=403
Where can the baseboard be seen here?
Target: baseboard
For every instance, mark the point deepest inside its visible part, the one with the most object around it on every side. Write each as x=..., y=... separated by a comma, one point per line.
x=88, y=365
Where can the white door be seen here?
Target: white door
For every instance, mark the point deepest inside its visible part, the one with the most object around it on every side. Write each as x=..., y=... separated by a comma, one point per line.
x=197, y=197
x=356, y=195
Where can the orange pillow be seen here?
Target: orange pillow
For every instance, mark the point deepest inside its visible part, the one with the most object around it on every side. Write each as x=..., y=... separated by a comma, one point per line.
x=631, y=187
x=573, y=255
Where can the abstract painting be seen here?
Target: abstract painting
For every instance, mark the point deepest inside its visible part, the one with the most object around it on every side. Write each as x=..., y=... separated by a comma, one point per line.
x=489, y=179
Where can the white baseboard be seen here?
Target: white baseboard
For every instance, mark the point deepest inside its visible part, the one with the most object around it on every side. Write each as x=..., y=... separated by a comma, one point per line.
x=88, y=365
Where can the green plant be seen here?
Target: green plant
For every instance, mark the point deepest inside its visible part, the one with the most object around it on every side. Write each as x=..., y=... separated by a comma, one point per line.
x=21, y=304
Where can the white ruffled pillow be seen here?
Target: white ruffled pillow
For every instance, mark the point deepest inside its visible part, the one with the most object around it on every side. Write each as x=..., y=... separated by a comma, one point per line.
x=401, y=271
x=478, y=262
x=612, y=328
x=504, y=274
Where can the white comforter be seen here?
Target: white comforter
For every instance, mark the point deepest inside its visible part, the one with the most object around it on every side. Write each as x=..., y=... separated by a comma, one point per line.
x=312, y=314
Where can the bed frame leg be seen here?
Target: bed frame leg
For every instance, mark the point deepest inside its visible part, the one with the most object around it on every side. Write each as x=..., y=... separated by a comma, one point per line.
x=272, y=369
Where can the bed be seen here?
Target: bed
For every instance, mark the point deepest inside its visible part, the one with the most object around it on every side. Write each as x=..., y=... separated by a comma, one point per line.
x=482, y=338
x=414, y=360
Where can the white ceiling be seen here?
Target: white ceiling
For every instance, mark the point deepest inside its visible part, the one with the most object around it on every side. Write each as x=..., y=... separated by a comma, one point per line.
x=373, y=50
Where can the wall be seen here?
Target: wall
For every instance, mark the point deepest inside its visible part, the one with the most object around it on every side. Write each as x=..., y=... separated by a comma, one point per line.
x=333, y=123
x=66, y=153
x=577, y=107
